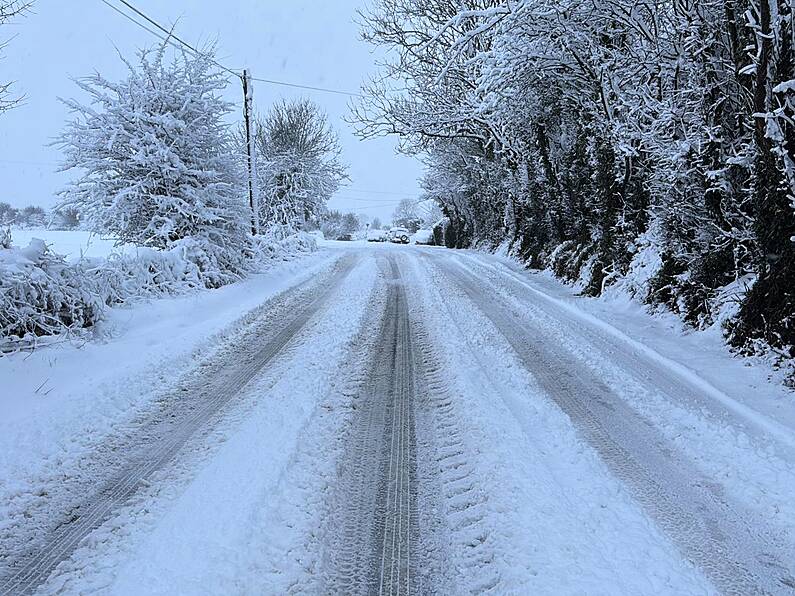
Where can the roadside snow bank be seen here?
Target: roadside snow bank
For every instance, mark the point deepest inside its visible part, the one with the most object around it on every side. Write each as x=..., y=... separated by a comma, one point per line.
x=648, y=284
x=43, y=295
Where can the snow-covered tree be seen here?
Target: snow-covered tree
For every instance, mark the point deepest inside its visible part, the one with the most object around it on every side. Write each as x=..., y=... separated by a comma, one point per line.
x=298, y=163
x=65, y=219
x=8, y=214
x=431, y=214
x=32, y=216
x=590, y=134
x=335, y=224
x=407, y=215
x=158, y=164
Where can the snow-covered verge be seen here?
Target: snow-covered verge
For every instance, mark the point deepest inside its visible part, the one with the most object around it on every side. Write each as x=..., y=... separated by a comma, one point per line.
x=641, y=287
x=42, y=295
x=58, y=404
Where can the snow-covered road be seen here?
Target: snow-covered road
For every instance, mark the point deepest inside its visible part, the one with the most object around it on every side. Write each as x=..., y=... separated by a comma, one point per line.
x=411, y=420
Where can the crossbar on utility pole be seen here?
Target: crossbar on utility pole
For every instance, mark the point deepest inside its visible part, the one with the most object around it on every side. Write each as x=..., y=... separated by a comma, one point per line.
x=248, y=108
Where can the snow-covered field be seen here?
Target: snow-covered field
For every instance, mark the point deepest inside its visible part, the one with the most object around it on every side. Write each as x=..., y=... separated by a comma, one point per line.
x=535, y=442
x=72, y=243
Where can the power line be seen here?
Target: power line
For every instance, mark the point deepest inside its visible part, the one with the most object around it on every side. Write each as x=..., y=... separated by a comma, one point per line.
x=371, y=201
x=171, y=36
x=368, y=207
x=310, y=87
x=141, y=25
x=168, y=32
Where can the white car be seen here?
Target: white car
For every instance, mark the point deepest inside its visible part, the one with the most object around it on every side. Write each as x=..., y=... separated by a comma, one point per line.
x=399, y=235
x=422, y=237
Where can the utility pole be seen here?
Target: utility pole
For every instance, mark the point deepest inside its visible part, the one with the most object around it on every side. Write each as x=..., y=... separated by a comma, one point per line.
x=248, y=108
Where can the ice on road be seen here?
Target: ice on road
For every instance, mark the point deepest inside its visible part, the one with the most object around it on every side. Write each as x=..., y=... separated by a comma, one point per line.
x=413, y=420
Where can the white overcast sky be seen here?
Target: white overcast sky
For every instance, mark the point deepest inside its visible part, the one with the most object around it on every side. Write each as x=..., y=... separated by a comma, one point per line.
x=302, y=41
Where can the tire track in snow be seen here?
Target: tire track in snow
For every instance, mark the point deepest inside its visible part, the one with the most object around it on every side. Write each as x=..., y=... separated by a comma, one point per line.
x=408, y=491
x=699, y=396
x=461, y=502
x=456, y=514
x=157, y=441
x=734, y=548
x=377, y=502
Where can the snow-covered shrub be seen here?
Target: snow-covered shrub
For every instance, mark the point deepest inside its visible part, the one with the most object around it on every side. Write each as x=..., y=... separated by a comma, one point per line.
x=269, y=247
x=41, y=294
x=158, y=161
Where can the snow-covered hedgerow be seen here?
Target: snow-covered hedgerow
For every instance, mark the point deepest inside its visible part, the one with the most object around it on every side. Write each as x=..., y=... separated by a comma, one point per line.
x=576, y=128
x=43, y=295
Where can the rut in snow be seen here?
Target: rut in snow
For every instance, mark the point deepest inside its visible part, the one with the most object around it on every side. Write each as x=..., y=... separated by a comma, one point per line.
x=734, y=548
x=406, y=491
x=123, y=464
x=377, y=503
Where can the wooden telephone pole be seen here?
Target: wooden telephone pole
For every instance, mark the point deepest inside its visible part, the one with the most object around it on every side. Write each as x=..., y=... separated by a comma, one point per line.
x=248, y=108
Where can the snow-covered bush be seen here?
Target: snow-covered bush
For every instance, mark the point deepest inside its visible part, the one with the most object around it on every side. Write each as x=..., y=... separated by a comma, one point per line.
x=158, y=161
x=41, y=294
x=277, y=247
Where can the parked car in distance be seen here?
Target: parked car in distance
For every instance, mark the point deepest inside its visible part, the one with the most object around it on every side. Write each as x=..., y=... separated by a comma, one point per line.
x=377, y=236
x=399, y=235
x=422, y=237
x=345, y=237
